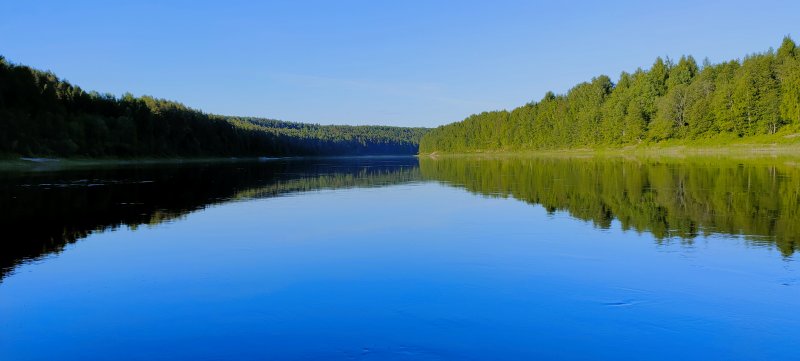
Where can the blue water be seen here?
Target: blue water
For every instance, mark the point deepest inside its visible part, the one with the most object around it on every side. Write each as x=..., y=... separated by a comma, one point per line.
x=416, y=270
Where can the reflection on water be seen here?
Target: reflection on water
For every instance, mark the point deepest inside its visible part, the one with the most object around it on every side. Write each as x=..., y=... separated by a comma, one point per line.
x=757, y=198
x=600, y=259
x=44, y=210
x=684, y=198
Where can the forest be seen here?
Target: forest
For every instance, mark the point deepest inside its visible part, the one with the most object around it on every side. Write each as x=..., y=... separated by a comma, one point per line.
x=672, y=101
x=42, y=115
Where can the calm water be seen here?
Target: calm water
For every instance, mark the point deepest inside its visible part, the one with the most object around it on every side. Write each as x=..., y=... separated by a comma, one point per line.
x=400, y=259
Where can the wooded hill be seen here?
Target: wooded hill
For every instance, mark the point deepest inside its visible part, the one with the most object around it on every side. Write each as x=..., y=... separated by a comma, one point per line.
x=757, y=95
x=42, y=115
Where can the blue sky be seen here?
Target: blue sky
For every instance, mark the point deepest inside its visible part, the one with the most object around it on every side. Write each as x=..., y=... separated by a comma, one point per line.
x=415, y=63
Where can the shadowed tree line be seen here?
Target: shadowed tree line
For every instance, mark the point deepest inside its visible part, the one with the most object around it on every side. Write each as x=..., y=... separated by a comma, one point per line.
x=42, y=115
x=314, y=139
x=758, y=95
x=680, y=199
x=43, y=211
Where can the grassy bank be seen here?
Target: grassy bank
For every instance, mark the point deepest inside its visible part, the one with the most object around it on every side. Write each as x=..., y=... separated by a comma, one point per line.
x=757, y=146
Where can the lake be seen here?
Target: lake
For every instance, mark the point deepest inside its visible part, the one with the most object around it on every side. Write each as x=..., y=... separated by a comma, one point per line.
x=399, y=258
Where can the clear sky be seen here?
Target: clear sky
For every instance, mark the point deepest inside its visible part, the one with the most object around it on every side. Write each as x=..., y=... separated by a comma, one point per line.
x=415, y=63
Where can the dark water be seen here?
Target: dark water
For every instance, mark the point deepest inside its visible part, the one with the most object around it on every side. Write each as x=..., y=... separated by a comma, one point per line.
x=400, y=259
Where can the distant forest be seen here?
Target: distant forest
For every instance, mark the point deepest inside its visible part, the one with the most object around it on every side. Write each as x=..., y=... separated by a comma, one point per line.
x=759, y=95
x=42, y=115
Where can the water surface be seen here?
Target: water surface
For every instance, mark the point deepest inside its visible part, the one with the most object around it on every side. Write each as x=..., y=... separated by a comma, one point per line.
x=403, y=259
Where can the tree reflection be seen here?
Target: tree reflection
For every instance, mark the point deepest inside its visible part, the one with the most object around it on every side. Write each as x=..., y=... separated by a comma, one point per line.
x=42, y=212
x=680, y=199
x=670, y=198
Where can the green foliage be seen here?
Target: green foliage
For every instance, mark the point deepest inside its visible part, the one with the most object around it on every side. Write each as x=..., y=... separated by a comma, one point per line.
x=336, y=139
x=759, y=95
x=41, y=115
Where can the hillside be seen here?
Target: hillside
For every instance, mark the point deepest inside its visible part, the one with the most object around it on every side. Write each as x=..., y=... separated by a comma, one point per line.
x=42, y=115
x=670, y=102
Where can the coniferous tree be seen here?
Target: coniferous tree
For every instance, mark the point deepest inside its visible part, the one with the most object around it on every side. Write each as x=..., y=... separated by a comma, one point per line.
x=44, y=116
x=759, y=95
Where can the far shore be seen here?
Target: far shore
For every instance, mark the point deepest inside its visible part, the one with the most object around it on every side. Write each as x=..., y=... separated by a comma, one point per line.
x=12, y=162
x=735, y=150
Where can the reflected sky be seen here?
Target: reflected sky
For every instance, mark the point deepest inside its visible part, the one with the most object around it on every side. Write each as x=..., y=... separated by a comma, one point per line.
x=408, y=270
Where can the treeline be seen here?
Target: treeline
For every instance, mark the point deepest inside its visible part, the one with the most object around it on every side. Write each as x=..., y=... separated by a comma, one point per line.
x=42, y=115
x=740, y=98
x=338, y=139
x=671, y=199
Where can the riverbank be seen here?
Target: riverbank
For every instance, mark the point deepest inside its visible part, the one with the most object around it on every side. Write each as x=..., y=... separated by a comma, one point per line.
x=11, y=163
x=761, y=146
x=41, y=163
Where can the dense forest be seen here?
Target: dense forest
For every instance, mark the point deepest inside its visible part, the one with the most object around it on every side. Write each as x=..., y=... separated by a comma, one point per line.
x=317, y=139
x=42, y=115
x=672, y=199
x=683, y=101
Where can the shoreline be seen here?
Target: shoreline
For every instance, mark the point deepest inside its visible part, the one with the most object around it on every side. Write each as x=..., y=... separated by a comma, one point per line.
x=734, y=150
x=10, y=163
